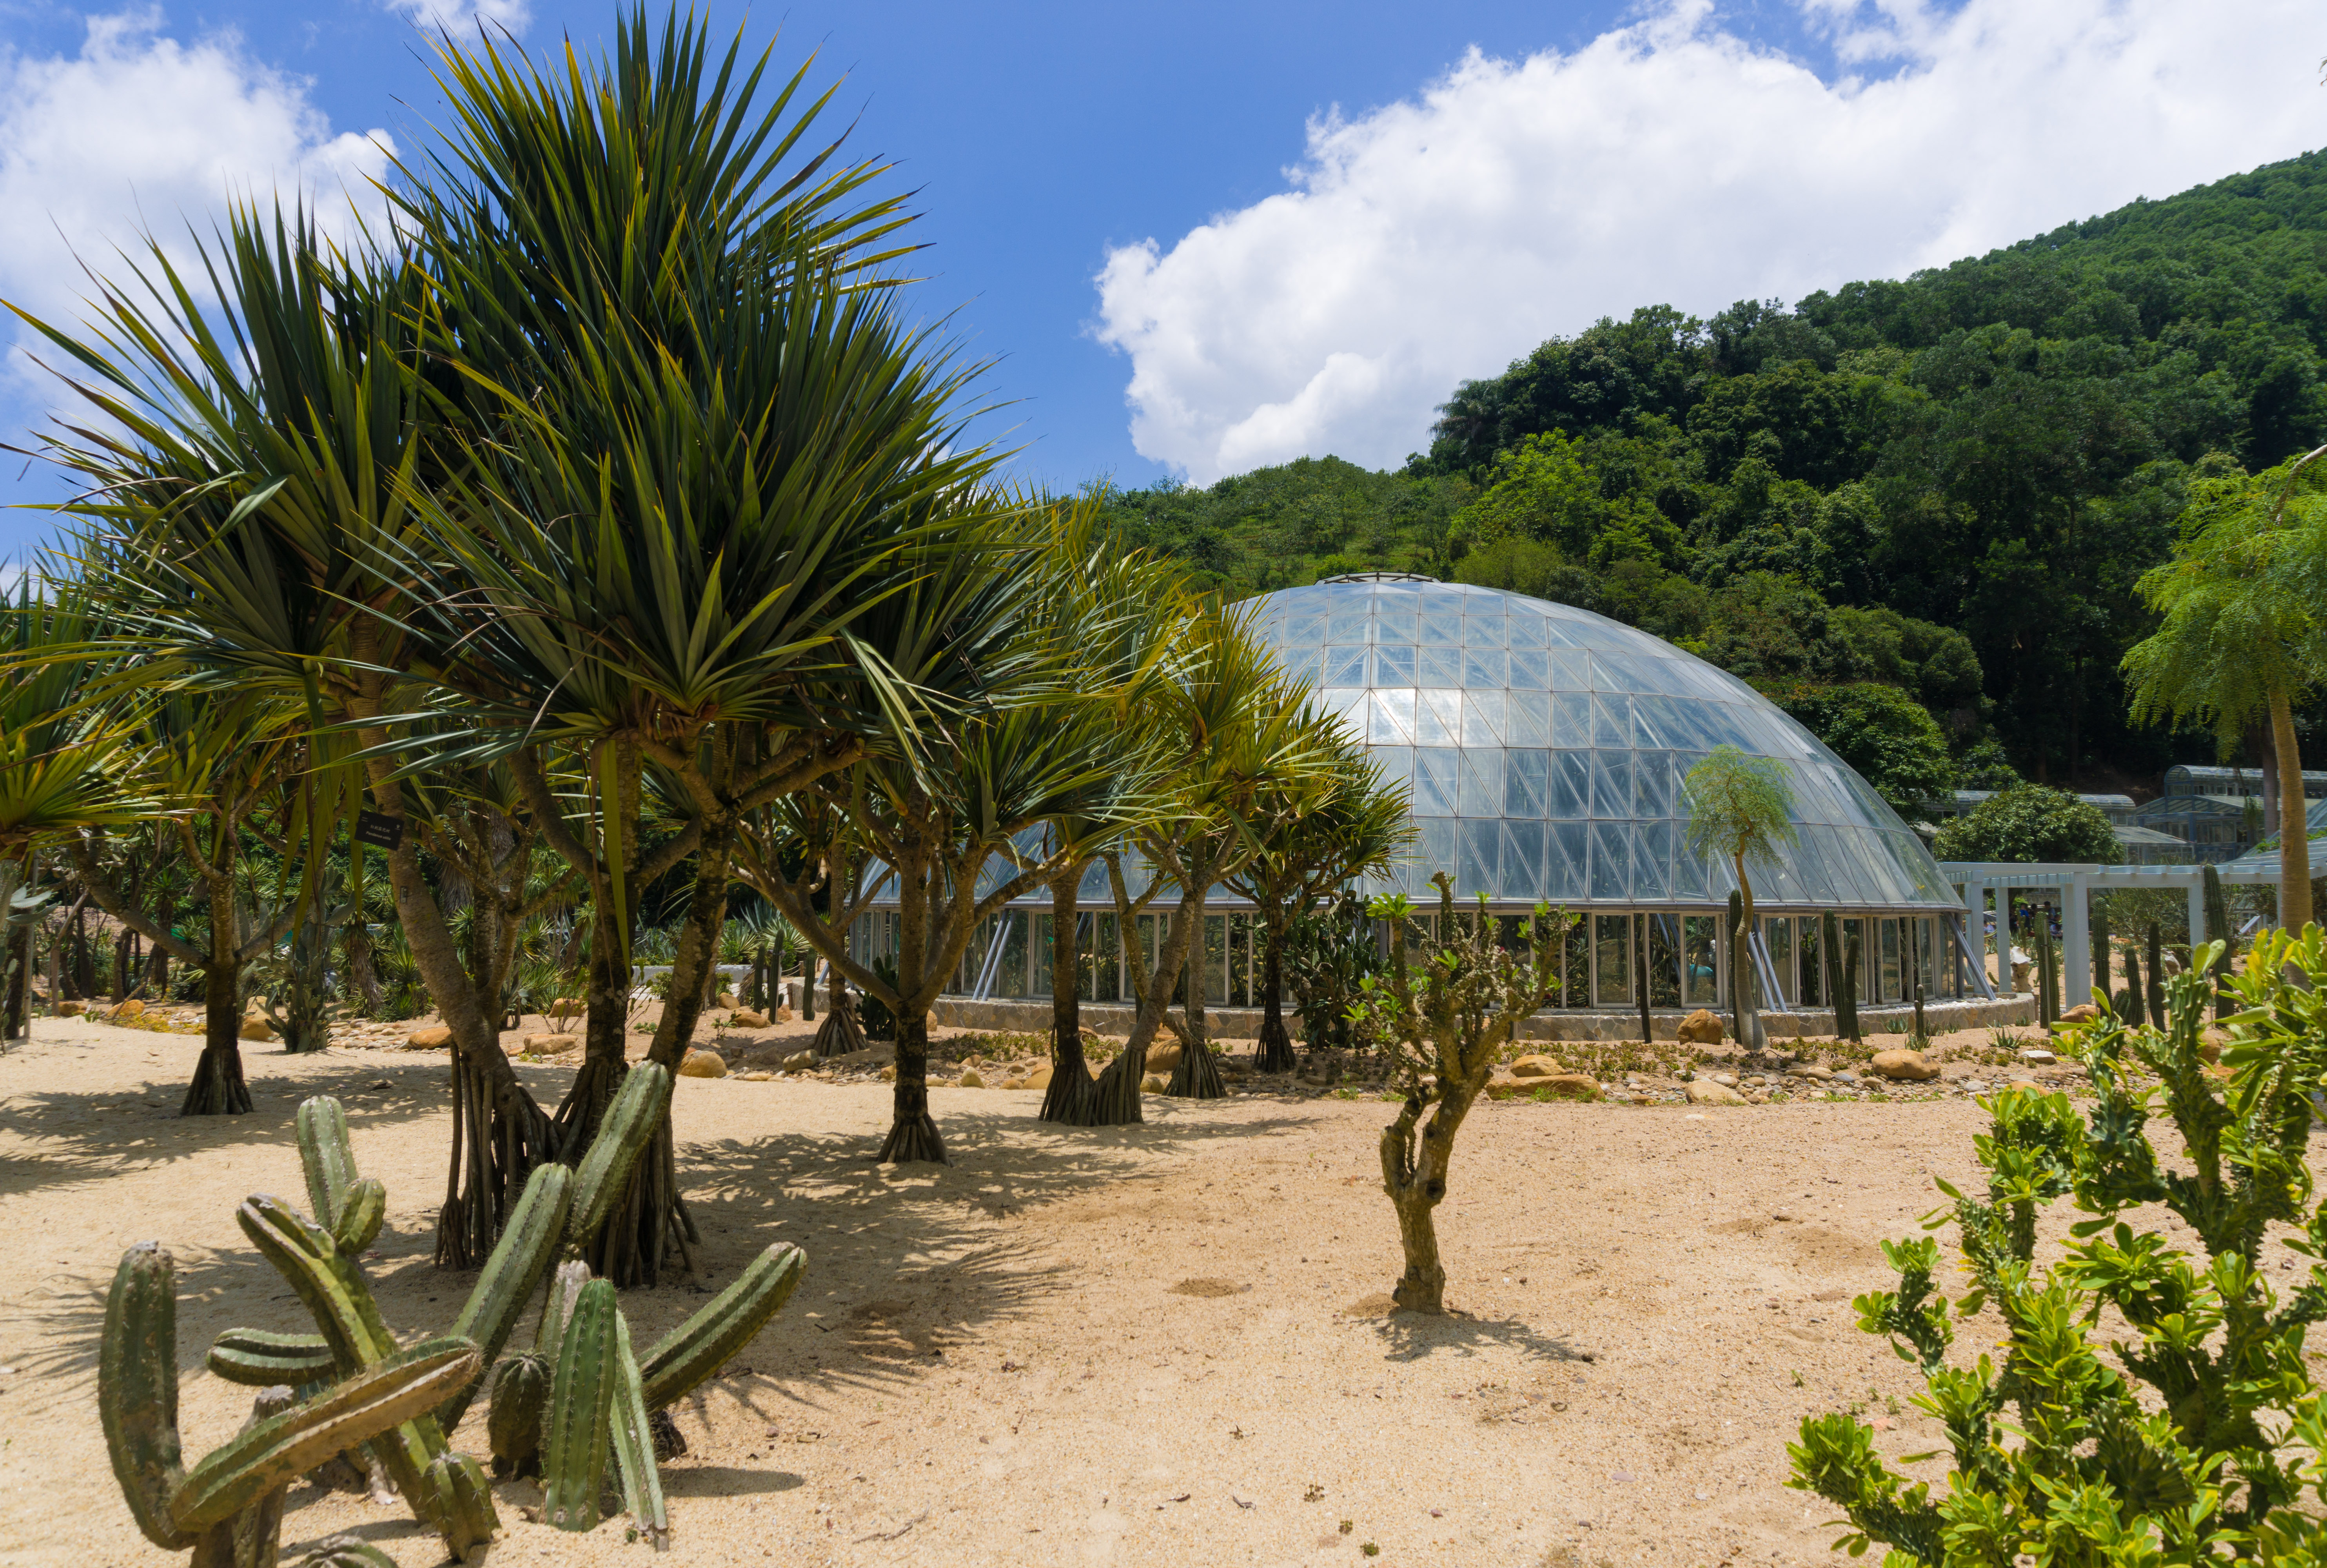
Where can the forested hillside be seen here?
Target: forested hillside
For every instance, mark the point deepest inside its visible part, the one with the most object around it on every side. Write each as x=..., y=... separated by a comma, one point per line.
x=1945, y=486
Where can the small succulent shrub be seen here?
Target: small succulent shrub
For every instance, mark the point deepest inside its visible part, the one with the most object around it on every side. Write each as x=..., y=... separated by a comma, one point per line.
x=2150, y=1406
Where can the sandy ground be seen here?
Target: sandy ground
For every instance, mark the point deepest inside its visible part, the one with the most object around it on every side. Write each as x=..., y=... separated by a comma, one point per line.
x=1160, y=1344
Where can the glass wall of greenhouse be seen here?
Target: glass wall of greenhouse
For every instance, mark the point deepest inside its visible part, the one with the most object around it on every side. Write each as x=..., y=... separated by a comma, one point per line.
x=1543, y=749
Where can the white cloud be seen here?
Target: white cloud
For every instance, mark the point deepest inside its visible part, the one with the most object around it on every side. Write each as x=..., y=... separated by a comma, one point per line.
x=143, y=133
x=463, y=17
x=1670, y=162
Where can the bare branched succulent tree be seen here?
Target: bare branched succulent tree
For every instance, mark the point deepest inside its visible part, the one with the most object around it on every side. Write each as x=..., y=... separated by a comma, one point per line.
x=1439, y=1024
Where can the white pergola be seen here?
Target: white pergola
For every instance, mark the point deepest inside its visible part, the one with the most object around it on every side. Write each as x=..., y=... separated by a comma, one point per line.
x=1978, y=881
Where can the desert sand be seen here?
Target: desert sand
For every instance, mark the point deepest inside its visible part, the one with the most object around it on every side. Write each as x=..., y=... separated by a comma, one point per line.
x=1162, y=1344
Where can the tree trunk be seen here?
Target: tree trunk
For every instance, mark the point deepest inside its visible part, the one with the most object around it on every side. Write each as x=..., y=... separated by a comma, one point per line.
x=1071, y=1100
x=15, y=976
x=1117, y=1094
x=1415, y=1158
x=2294, y=820
x=125, y=960
x=361, y=976
x=2157, y=993
x=807, y=989
x=218, y=1088
x=912, y=1132
x=1274, y=1053
x=1198, y=1076
x=841, y=1031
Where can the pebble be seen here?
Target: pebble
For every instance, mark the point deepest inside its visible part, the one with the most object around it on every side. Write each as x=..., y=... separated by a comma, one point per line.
x=2036, y=1056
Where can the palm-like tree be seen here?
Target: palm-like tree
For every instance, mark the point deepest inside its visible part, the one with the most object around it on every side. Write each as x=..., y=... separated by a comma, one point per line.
x=2243, y=637
x=1231, y=734
x=1317, y=833
x=66, y=767
x=1741, y=807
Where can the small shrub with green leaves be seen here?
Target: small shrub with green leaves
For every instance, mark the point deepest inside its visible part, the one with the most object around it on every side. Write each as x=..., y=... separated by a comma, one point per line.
x=2151, y=1405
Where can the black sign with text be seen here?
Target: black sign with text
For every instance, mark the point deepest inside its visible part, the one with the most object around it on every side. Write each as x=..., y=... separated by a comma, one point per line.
x=377, y=828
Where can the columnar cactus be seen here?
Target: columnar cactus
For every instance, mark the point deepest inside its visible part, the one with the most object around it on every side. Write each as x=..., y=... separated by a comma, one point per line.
x=228, y=1506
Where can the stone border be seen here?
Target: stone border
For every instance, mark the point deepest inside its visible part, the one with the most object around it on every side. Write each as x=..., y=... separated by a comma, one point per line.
x=1034, y=1017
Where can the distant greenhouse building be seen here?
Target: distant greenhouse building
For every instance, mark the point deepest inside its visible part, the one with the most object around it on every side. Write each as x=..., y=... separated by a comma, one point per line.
x=1544, y=747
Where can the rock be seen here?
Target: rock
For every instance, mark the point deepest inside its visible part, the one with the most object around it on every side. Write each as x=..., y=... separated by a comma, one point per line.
x=2211, y=1045
x=1559, y=1085
x=727, y=999
x=72, y=1008
x=800, y=1061
x=1705, y=1092
x=257, y=1026
x=760, y=1076
x=1016, y=1083
x=550, y=1044
x=2036, y=1056
x=1163, y=1058
x=746, y=1020
x=1702, y=1027
x=1536, y=1067
x=971, y=1078
x=2082, y=1013
x=703, y=1064
x=1153, y=1084
x=1809, y=1069
x=133, y=1008
x=568, y=1004
x=1726, y=1079
x=783, y=1015
x=889, y=1073
x=1907, y=1066
x=1039, y=1079
x=436, y=1036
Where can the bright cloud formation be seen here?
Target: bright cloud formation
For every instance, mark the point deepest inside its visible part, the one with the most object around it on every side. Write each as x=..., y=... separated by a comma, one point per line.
x=1670, y=162
x=143, y=133
x=463, y=17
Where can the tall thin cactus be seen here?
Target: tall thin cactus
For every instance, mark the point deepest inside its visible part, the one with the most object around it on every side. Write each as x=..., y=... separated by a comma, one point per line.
x=2217, y=930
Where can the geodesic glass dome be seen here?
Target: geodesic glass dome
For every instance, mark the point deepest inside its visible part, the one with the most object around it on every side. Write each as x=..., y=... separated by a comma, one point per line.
x=1544, y=747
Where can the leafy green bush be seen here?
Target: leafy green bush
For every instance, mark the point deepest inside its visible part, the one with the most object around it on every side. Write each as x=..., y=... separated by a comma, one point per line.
x=2030, y=822
x=2196, y=1439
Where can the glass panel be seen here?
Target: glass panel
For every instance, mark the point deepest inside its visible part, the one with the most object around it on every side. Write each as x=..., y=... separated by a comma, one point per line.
x=1347, y=625
x=1652, y=783
x=1526, y=775
x=1777, y=937
x=1482, y=718
x=1392, y=723
x=1611, y=959
x=1568, y=858
x=1043, y=927
x=1438, y=718
x=1482, y=858
x=1486, y=667
x=1439, y=666
x=1855, y=932
x=1345, y=666
x=1241, y=964
x=1394, y=627
x=1570, y=672
x=1301, y=663
x=1611, y=721
x=1576, y=965
x=1887, y=933
x=1810, y=939
x=1698, y=947
x=1489, y=629
x=1571, y=784
x=1393, y=667
x=1530, y=669
x=1438, y=844
x=1611, y=860
x=1571, y=721
x=1664, y=961
x=1010, y=975
x=1435, y=773
x=1482, y=781
x=1441, y=628
x=1528, y=719
x=1525, y=628
x=1652, y=848
x=1612, y=784
x=1925, y=954
x=1522, y=859
x=1215, y=960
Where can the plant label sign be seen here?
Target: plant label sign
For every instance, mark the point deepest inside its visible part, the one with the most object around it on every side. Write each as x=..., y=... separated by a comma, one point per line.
x=378, y=828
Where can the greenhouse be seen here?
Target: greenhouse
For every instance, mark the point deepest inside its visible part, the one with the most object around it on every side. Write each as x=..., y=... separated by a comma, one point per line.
x=1544, y=749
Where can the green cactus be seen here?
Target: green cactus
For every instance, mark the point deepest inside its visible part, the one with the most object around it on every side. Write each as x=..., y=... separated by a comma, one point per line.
x=325, y=1155
x=228, y=1506
x=692, y=1352
x=346, y=1551
x=579, y=1433
x=520, y=1398
x=2217, y=930
x=527, y=1246
x=261, y=1360
x=464, y=1501
x=623, y=1136
x=634, y=1449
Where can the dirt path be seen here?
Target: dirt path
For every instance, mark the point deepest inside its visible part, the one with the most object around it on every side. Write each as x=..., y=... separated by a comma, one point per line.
x=1162, y=1344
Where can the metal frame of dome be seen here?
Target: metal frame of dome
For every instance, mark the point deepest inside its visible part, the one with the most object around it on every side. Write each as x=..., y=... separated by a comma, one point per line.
x=1544, y=747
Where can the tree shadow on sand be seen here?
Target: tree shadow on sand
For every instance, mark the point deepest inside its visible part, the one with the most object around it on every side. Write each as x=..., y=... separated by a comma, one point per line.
x=1417, y=1336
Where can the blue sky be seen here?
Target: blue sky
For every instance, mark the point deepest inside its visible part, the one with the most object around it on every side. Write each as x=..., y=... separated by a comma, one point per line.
x=1349, y=205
